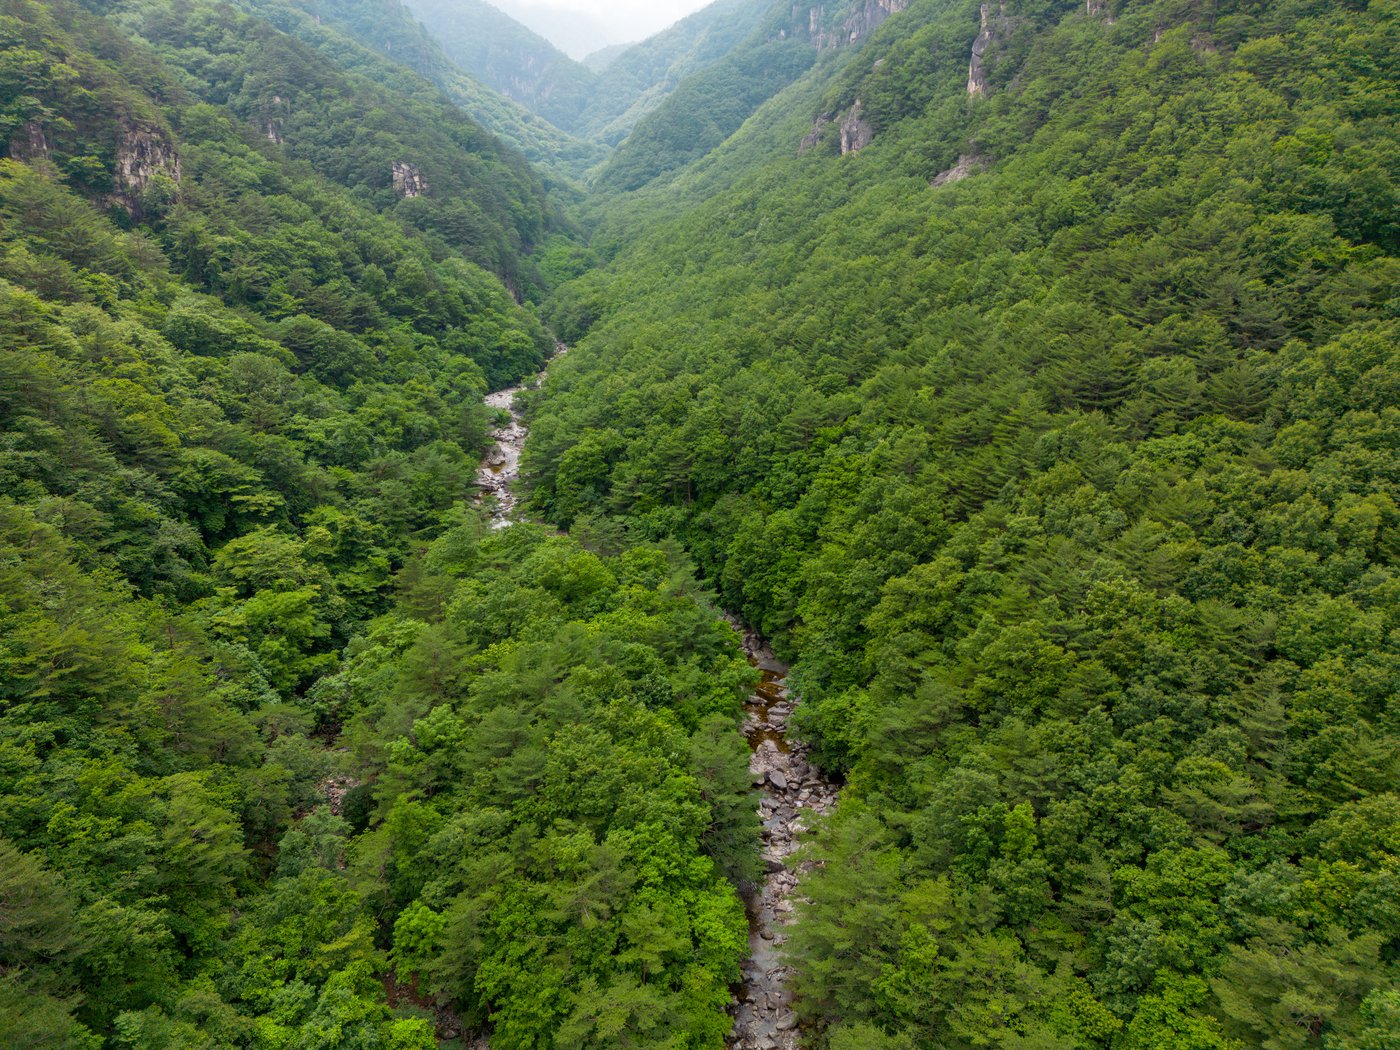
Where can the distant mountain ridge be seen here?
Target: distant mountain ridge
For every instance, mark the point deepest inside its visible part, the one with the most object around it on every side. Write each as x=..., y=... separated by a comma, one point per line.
x=599, y=60
x=643, y=75
x=603, y=103
x=778, y=44
x=505, y=55
x=390, y=28
x=576, y=33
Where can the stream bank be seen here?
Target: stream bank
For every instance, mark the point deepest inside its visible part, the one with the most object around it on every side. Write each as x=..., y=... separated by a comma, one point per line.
x=790, y=787
x=501, y=467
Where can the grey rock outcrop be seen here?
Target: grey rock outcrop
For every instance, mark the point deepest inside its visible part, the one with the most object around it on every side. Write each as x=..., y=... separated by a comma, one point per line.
x=813, y=138
x=409, y=180
x=865, y=19
x=145, y=155
x=859, y=24
x=1099, y=9
x=993, y=29
x=272, y=122
x=967, y=165
x=856, y=132
x=29, y=142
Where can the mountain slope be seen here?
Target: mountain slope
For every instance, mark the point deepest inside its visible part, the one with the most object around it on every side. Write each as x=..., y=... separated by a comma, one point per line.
x=388, y=27
x=363, y=124
x=1043, y=411
x=605, y=105
x=1026, y=372
x=504, y=55
x=294, y=749
x=710, y=105
x=599, y=60
x=641, y=76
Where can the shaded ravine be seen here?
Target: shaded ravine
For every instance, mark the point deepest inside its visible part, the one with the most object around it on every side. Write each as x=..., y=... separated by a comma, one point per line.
x=792, y=789
x=790, y=786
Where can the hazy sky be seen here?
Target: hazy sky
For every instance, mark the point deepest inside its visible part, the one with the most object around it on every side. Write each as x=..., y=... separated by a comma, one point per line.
x=578, y=27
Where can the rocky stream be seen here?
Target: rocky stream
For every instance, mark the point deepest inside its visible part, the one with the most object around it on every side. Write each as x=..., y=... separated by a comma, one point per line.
x=791, y=788
x=502, y=463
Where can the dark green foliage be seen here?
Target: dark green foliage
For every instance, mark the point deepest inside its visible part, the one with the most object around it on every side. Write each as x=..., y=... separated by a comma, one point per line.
x=1071, y=488
x=392, y=30
x=240, y=589
x=1051, y=435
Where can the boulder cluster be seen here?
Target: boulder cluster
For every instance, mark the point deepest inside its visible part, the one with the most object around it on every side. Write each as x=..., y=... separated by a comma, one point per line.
x=792, y=789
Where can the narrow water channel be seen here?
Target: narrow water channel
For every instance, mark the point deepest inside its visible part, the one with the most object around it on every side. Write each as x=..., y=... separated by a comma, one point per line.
x=790, y=788
x=501, y=467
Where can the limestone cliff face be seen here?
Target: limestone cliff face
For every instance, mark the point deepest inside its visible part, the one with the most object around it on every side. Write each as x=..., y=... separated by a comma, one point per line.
x=1099, y=9
x=29, y=142
x=863, y=18
x=994, y=28
x=145, y=158
x=409, y=180
x=856, y=132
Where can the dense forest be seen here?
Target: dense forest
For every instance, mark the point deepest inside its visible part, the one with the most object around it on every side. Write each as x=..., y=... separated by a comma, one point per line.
x=1051, y=431
x=279, y=712
x=1027, y=374
x=391, y=30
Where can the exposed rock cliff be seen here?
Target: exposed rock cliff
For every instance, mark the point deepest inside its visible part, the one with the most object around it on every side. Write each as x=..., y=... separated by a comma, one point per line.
x=272, y=120
x=147, y=165
x=856, y=132
x=29, y=142
x=967, y=165
x=813, y=138
x=864, y=18
x=994, y=27
x=409, y=180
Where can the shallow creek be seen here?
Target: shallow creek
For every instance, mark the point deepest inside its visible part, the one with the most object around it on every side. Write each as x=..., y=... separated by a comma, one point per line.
x=501, y=466
x=790, y=787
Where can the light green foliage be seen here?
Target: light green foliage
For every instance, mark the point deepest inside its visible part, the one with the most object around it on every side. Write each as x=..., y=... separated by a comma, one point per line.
x=557, y=852
x=233, y=413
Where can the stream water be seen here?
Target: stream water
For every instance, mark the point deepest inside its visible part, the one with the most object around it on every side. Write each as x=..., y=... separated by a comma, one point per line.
x=790, y=788
x=501, y=466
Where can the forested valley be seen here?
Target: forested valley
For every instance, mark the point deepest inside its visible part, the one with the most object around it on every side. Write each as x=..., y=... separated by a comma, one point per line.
x=1026, y=375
